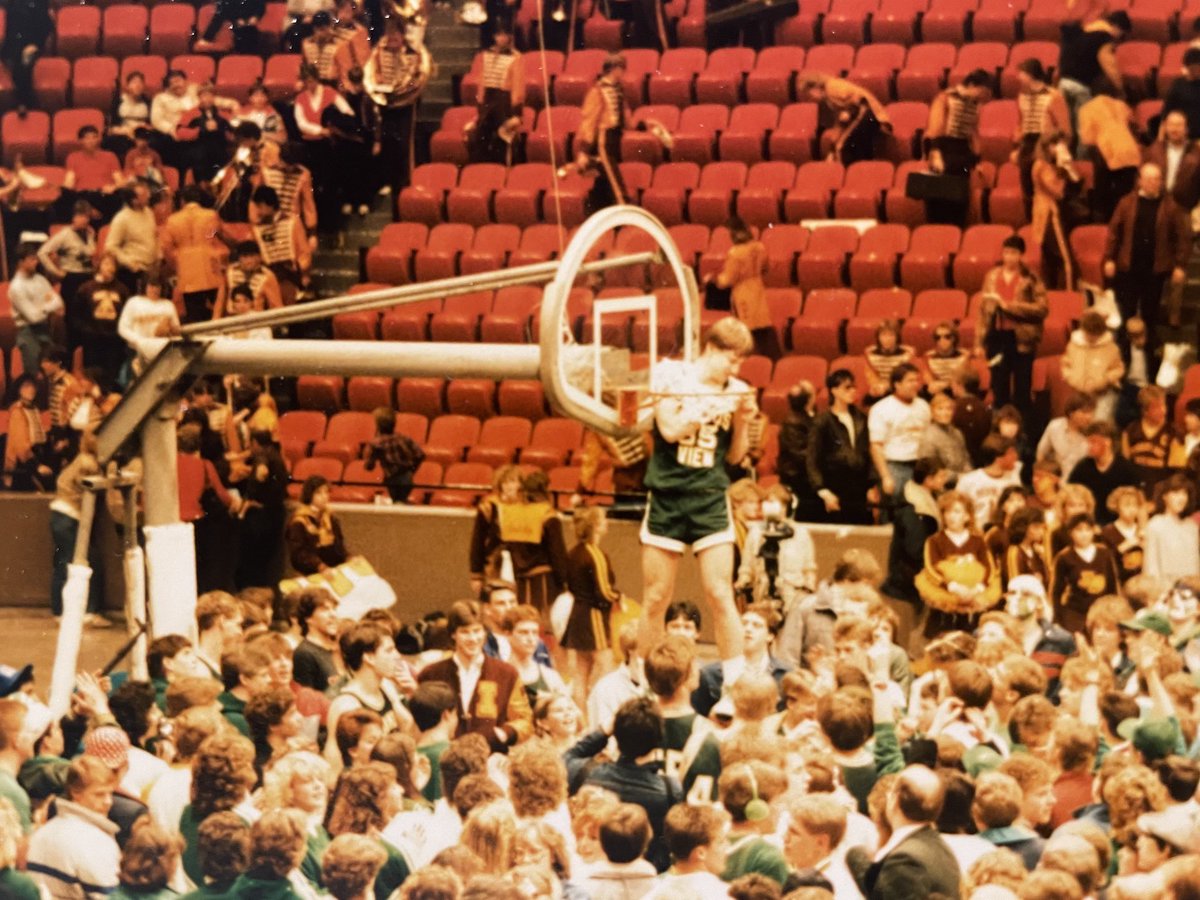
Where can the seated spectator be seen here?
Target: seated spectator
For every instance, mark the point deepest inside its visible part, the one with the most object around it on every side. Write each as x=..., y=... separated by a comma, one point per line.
x=1092, y=364
x=946, y=359
x=366, y=800
x=1103, y=470
x=983, y=486
x=259, y=110
x=1172, y=535
x=760, y=622
x=175, y=101
x=78, y=845
x=130, y=111
x=144, y=165
x=942, y=441
x=222, y=779
x=314, y=663
x=314, y=535
x=93, y=174
x=883, y=356
x=204, y=133
x=1063, y=441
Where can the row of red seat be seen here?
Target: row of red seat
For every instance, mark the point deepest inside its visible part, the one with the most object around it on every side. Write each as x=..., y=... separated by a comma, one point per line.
x=129, y=29
x=685, y=75
x=829, y=256
x=907, y=21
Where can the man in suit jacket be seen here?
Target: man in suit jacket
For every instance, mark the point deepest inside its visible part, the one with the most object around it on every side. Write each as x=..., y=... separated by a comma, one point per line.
x=491, y=699
x=1179, y=159
x=915, y=862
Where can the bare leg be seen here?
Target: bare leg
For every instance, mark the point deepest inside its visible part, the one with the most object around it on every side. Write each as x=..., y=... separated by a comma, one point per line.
x=658, y=582
x=581, y=675
x=716, y=576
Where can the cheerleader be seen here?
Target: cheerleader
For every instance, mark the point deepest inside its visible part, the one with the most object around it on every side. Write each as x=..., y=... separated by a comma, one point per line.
x=1124, y=536
x=959, y=580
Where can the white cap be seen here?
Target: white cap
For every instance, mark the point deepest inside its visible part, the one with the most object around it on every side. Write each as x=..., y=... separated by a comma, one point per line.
x=1027, y=584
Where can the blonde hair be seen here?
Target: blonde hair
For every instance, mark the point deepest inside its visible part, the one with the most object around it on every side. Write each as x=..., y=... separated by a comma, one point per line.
x=280, y=777
x=587, y=521
x=10, y=834
x=489, y=831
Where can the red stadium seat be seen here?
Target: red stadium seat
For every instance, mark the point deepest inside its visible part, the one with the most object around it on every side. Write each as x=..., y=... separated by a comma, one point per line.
x=552, y=443
x=722, y=76
x=784, y=244
x=423, y=396
x=490, y=252
x=471, y=397
x=77, y=31
x=908, y=124
x=873, y=265
x=508, y=321
x=564, y=483
x=875, y=68
x=518, y=202
x=940, y=304
x=997, y=123
x=281, y=74
x=793, y=140
x=448, y=143
x=471, y=200
x=561, y=122
x=812, y=193
x=94, y=82
x=125, y=29
x=1138, y=62
x=987, y=54
x=928, y=259
x=801, y=29
x=223, y=42
x=896, y=20
x=846, y=21
x=980, y=251
x=236, y=74
x=469, y=482
x=709, y=204
x=28, y=136
x=439, y=257
x=831, y=58
x=425, y=480
x=199, y=69
x=924, y=72
x=945, y=20
x=521, y=398
x=1043, y=20
x=898, y=207
x=578, y=75
x=539, y=243
x=154, y=68
x=1046, y=52
x=1087, y=246
x=499, y=440
x=823, y=263
x=667, y=196
x=458, y=322
x=790, y=371
x=51, y=78
x=639, y=65
x=359, y=484
x=540, y=70
x=408, y=322
x=677, y=70
x=298, y=430
x=785, y=304
x=356, y=326
x=818, y=331
x=1006, y=201
x=699, y=126
x=756, y=371
x=329, y=469
x=390, y=260
x=996, y=20
x=323, y=392
x=861, y=196
x=758, y=202
x=642, y=146
x=873, y=307
x=171, y=28
x=770, y=81
x=746, y=137
x=345, y=436
x=424, y=199
x=66, y=125
x=1152, y=21
x=365, y=393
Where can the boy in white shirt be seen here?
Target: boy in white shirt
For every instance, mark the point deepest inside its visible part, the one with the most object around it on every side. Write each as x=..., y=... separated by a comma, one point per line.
x=985, y=484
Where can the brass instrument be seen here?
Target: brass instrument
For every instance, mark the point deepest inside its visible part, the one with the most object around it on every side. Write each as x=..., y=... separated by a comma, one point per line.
x=404, y=92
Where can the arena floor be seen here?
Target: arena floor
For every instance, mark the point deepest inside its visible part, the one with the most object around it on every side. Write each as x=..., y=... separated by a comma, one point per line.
x=28, y=636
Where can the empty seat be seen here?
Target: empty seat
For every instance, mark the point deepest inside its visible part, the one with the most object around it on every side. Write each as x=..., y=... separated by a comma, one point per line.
x=449, y=436
x=908, y=124
x=832, y=58
x=710, y=203
x=794, y=138
x=746, y=137
x=424, y=198
x=557, y=123
x=345, y=435
x=823, y=263
x=1087, y=246
x=359, y=484
x=365, y=393
x=677, y=70
x=471, y=200
x=552, y=442
x=784, y=244
x=524, y=398
x=896, y=20
x=1043, y=20
x=509, y=319
x=996, y=20
x=356, y=326
x=940, y=304
x=811, y=194
x=471, y=397
x=237, y=73
x=77, y=31
x=667, y=195
x=171, y=28
x=758, y=203
x=408, y=322
x=997, y=122
x=874, y=306
x=198, y=69
x=323, y=392
x=51, y=79
x=770, y=81
x=464, y=484
x=861, y=195
x=28, y=136
x=818, y=331
x=490, y=252
x=298, y=430
x=499, y=440
x=281, y=74
x=448, y=143
x=801, y=28
x=699, y=126
x=94, y=82
x=924, y=72
x=578, y=75
x=423, y=396
x=790, y=371
x=721, y=80
x=927, y=261
x=439, y=257
x=980, y=251
x=875, y=68
x=458, y=322
x=945, y=20
x=125, y=29
x=519, y=201
x=390, y=260
x=327, y=468
x=640, y=145
x=873, y=264
x=153, y=68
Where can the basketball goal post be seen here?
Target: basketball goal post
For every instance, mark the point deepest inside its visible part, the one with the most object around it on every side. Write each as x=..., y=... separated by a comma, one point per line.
x=599, y=386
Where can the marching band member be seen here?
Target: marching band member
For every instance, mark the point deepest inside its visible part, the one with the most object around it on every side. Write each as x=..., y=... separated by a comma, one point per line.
x=394, y=77
x=501, y=94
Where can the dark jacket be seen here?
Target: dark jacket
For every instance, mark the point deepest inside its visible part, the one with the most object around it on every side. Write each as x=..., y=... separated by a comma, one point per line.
x=712, y=682
x=792, y=464
x=906, y=554
x=499, y=701
x=1187, y=180
x=833, y=461
x=1172, y=235
x=919, y=866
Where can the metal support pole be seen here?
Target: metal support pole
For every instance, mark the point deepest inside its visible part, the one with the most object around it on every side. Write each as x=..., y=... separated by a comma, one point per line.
x=408, y=293
x=83, y=537
x=161, y=478
x=137, y=616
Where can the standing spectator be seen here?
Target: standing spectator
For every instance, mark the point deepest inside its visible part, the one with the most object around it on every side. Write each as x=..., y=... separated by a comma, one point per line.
x=204, y=134
x=1149, y=242
x=265, y=491
x=1124, y=534
x=147, y=315
x=499, y=99
x=743, y=270
x=1042, y=111
x=946, y=359
x=918, y=518
x=883, y=357
x=34, y=301
x=1172, y=535
x=1088, y=53
x=300, y=14
x=603, y=120
x=1055, y=181
x=210, y=519
x=28, y=456
x=357, y=141
x=353, y=37
x=1141, y=368
x=951, y=141
x=28, y=28
x=1184, y=94
x=915, y=862
x=792, y=463
x=314, y=665
x=941, y=441
x=130, y=111
x=395, y=66
x=68, y=257
x=1009, y=328
x=1092, y=364
x=93, y=174
x=1149, y=442
x=839, y=453
x=77, y=847
x=278, y=168
x=997, y=471
x=1106, y=128
x=175, y=101
x=1063, y=441
x=896, y=424
x=1178, y=156
x=1103, y=470
x=960, y=579
x=244, y=16
x=397, y=454
x=133, y=237
x=190, y=245
x=54, y=366
x=591, y=580
x=850, y=116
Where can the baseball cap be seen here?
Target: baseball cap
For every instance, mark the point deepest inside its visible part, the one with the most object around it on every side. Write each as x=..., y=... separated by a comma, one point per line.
x=11, y=679
x=108, y=744
x=1149, y=620
x=1177, y=825
x=1153, y=738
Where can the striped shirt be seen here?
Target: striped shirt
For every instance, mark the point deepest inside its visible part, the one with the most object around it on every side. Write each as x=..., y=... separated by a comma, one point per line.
x=256, y=279
x=962, y=115
x=1033, y=110
x=320, y=55
x=496, y=65
x=286, y=182
x=275, y=239
x=614, y=98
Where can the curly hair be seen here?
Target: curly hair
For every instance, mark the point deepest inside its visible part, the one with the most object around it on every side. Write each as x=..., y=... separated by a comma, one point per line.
x=277, y=844
x=222, y=774
x=537, y=779
x=150, y=857
x=537, y=835
x=1000, y=867
x=400, y=752
x=266, y=711
x=432, y=883
x=10, y=834
x=131, y=705
x=279, y=780
x=489, y=831
x=193, y=727
x=359, y=802
x=1132, y=791
x=350, y=864
x=224, y=847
